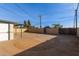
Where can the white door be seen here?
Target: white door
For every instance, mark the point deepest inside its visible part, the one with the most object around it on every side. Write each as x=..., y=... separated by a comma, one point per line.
x=3, y=31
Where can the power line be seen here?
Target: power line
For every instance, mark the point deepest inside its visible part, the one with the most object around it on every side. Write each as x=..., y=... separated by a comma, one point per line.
x=64, y=17
x=26, y=13
x=19, y=14
x=54, y=21
x=11, y=11
x=21, y=8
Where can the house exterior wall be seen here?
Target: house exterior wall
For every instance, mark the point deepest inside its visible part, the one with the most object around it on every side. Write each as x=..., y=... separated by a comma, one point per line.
x=4, y=31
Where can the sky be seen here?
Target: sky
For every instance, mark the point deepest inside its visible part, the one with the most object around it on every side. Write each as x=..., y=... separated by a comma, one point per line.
x=52, y=13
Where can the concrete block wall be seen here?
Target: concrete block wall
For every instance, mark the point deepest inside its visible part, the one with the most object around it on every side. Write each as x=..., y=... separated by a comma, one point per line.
x=48, y=30
x=18, y=30
x=36, y=30
x=78, y=32
x=52, y=31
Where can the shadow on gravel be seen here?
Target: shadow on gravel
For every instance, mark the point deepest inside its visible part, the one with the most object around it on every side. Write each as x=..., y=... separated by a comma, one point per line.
x=62, y=45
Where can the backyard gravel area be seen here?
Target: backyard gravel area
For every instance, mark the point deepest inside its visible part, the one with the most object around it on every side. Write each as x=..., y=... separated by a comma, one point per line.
x=32, y=44
x=19, y=44
x=60, y=45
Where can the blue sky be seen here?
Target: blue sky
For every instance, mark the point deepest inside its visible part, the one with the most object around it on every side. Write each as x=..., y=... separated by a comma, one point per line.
x=51, y=13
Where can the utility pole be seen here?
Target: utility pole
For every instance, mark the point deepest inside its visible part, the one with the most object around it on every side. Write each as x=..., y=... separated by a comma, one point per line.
x=76, y=17
x=74, y=26
x=40, y=21
x=76, y=20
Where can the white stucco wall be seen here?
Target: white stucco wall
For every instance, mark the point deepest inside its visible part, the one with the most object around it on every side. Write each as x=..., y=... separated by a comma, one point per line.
x=4, y=31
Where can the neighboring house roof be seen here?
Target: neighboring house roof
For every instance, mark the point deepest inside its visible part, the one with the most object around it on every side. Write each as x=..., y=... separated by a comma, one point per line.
x=6, y=21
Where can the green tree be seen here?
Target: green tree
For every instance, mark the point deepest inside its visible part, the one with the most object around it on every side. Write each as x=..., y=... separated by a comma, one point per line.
x=27, y=23
x=57, y=26
x=47, y=27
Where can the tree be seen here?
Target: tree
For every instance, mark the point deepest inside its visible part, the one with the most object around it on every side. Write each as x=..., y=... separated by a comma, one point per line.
x=57, y=26
x=47, y=27
x=27, y=23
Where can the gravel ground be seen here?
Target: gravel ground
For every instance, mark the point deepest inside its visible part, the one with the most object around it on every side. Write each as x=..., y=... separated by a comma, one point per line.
x=32, y=44
x=29, y=40
x=61, y=45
